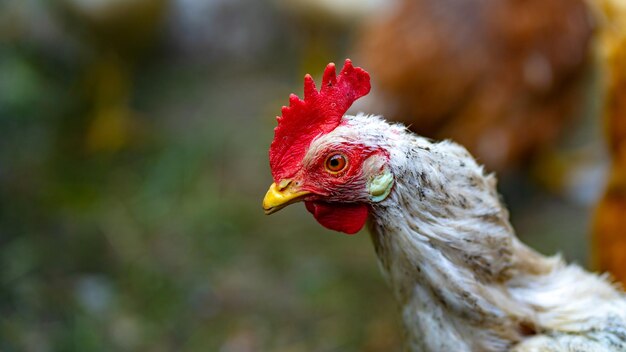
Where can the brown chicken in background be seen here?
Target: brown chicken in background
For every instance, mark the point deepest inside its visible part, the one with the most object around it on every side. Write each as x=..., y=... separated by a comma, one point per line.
x=609, y=227
x=502, y=78
x=505, y=79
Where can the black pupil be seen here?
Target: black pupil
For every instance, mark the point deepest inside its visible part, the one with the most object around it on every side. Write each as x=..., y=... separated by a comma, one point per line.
x=334, y=162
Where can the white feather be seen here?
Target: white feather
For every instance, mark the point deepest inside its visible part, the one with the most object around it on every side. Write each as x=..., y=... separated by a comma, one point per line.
x=463, y=279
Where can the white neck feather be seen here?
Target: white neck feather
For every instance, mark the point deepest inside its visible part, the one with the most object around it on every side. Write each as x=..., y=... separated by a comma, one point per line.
x=462, y=278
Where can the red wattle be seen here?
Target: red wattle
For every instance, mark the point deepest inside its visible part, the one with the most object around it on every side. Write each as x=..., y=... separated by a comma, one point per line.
x=347, y=218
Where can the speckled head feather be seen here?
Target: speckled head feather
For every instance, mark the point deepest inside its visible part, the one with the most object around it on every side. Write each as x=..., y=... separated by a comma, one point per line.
x=320, y=112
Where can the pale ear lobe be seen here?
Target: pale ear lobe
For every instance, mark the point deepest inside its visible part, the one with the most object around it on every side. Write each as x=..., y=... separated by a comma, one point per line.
x=380, y=186
x=380, y=182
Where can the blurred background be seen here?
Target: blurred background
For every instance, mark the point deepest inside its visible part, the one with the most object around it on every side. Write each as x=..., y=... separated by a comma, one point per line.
x=133, y=160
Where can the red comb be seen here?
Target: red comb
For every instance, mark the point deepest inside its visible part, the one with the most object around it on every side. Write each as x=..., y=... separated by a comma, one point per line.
x=319, y=113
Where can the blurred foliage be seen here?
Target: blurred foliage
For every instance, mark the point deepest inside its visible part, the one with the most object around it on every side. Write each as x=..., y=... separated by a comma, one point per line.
x=130, y=190
x=130, y=215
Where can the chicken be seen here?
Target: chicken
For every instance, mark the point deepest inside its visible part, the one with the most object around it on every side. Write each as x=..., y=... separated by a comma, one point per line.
x=442, y=236
x=609, y=227
x=504, y=78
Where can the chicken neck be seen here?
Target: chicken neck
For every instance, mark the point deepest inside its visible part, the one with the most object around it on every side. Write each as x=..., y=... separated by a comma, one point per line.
x=447, y=248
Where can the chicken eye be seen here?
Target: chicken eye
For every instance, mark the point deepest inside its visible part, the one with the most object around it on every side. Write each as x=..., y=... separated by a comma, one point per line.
x=336, y=163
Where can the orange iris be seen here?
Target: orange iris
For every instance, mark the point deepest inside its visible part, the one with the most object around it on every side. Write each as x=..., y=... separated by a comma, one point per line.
x=336, y=163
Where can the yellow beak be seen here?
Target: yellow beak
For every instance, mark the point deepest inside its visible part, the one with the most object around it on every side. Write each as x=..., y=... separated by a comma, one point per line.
x=280, y=196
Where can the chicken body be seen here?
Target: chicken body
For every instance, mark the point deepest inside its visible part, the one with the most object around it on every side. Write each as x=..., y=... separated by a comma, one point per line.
x=464, y=281
x=502, y=77
x=609, y=227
